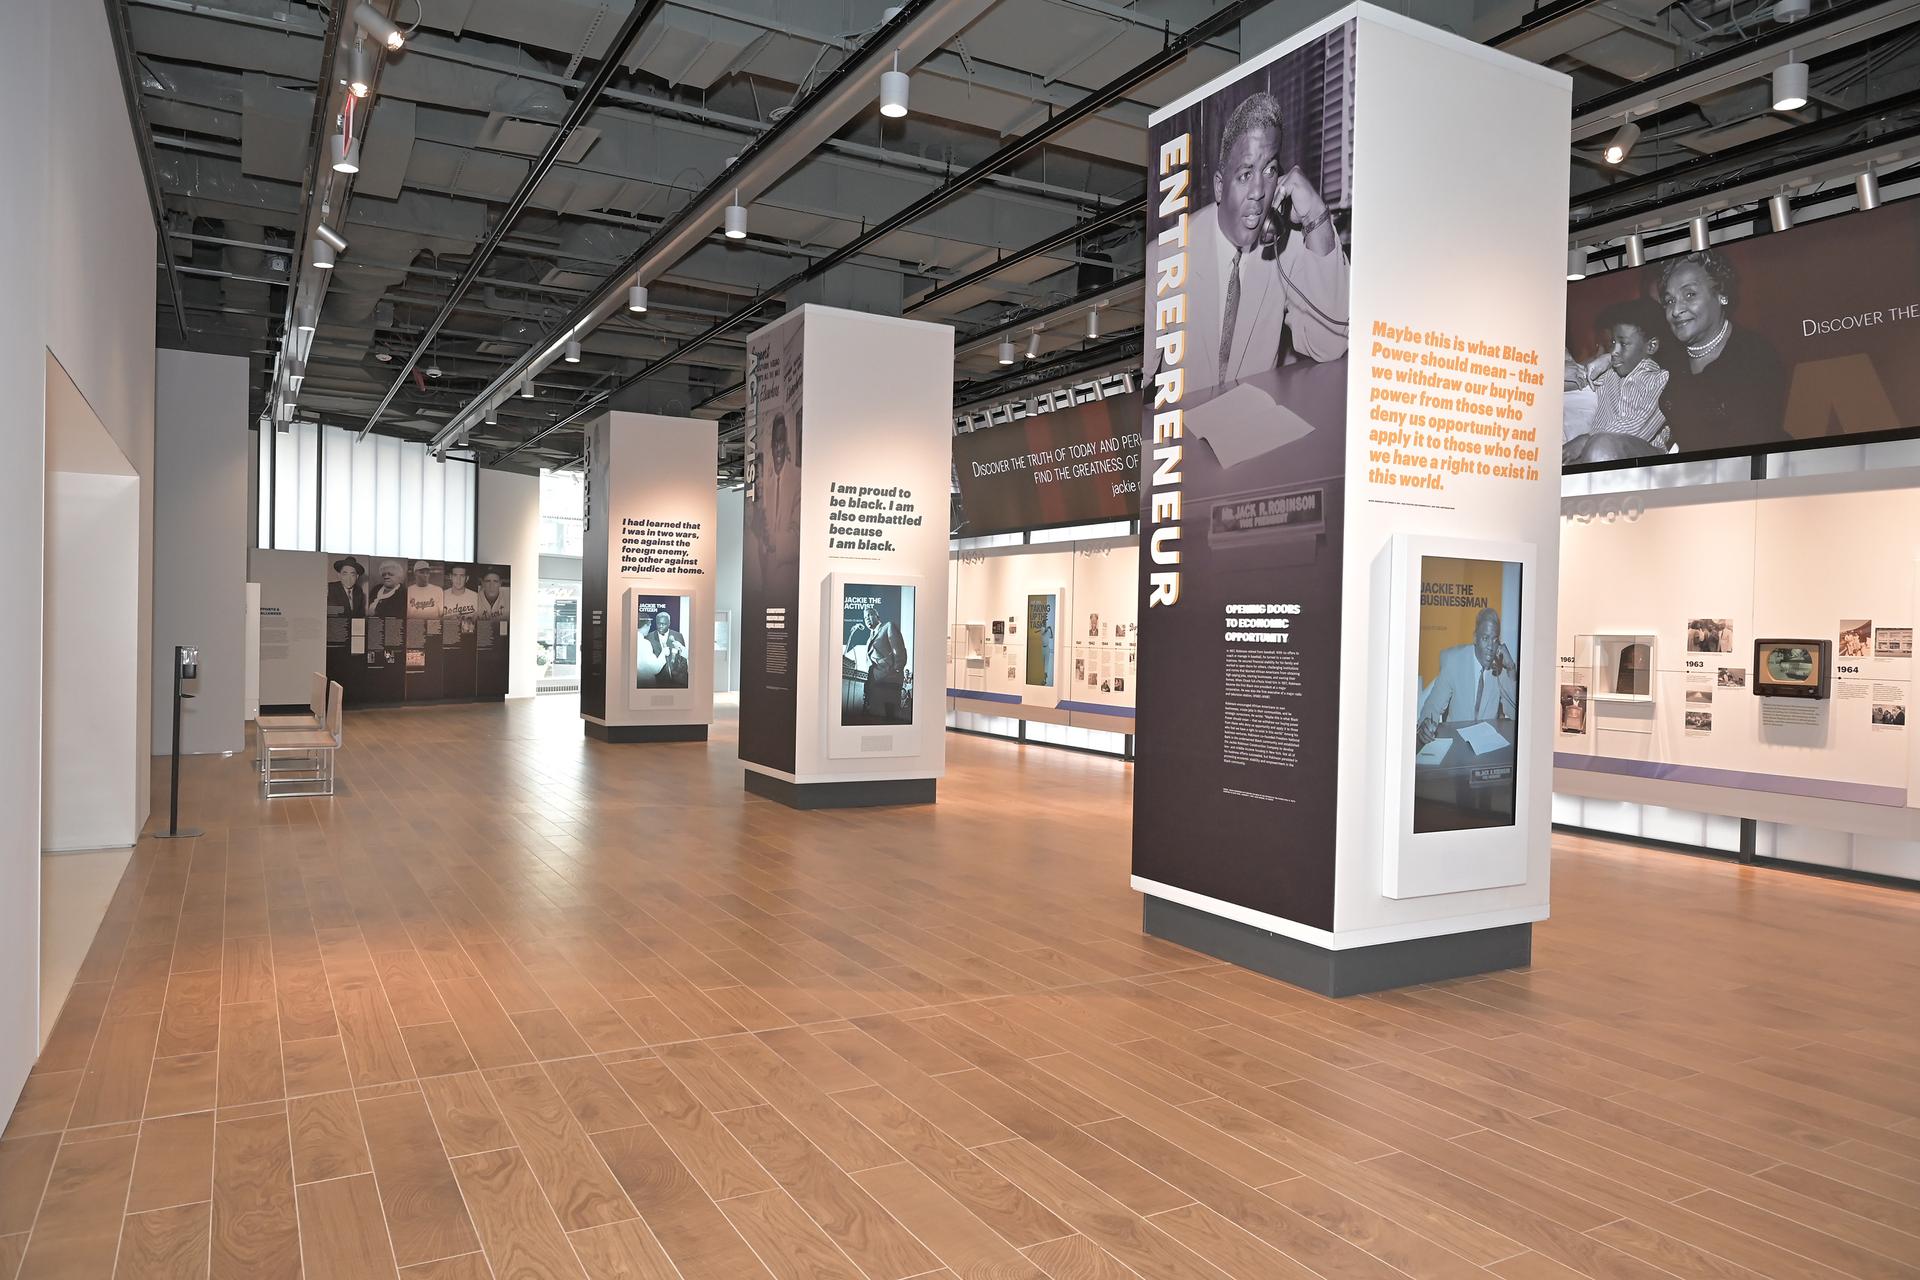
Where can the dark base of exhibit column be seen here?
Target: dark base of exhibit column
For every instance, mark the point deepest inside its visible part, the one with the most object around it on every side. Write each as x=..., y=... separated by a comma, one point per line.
x=645, y=732
x=1351, y=972
x=842, y=795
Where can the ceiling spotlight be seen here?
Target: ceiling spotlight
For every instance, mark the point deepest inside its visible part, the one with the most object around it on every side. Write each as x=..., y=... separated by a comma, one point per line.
x=637, y=298
x=736, y=219
x=345, y=153
x=384, y=357
x=894, y=86
x=1790, y=85
x=1093, y=322
x=1006, y=351
x=1576, y=263
x=1791, y=10
x=305, y=325
x=1033, y=345
x=1780, y=211
x=493, y=416
x=1699, y=236
x=526, y=388
x=1636, y=250
x=433, y=369
x=360, y=78
x=332, y=237
x=378, y=25
x=322, y=254
x=573, y=353
x=1866, y=189
x=1622, y=142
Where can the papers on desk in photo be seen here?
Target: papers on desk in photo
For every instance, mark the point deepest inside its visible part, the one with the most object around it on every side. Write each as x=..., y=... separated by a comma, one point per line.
x=1434, y=752
x=1483, y=737
x=1244, y=423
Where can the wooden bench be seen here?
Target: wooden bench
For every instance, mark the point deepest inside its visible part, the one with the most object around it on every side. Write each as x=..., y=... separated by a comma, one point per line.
x=300, y=762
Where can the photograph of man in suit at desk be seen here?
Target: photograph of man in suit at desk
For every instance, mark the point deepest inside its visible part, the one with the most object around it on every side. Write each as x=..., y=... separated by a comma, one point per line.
x=1469, y=707
x=1261, y=258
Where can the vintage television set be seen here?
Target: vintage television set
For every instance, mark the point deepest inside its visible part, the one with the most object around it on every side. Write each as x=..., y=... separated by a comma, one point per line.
x=1793, y=668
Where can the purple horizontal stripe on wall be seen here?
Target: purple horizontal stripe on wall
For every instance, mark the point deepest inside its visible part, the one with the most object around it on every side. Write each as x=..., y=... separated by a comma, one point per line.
x=979, y=696
x=1817, y=788
x=1097, y=709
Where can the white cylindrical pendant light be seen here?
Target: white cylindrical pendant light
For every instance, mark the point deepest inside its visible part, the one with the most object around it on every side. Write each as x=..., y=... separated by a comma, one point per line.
x=894, y=87
x=526, y=388
x=322, y=254
x=493, y=416
x=736, y=219
x=1790, y=85
x=378, y=25
x=1780, y=212
x=1093, y=322
x=1006, y=351
x=1636, y=250
x=1621, y=144
x=1866, y=189
x=332, y=237
x=1576, y=263
x=573, y=353
x=1699, y=239
x=1033, y=345
x=637, y=298
x=345, y=153
x=360, y=75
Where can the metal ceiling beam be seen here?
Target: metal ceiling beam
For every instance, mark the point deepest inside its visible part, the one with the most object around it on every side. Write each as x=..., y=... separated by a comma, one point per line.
x=1175, y=50
x=1748, y=164
x=916, y=32
x=584, y=102
x=1745, y=61
x=1068, y=235
x=123, y=57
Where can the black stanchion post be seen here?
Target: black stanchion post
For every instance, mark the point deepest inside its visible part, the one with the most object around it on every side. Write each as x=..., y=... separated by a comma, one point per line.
x=186, y=666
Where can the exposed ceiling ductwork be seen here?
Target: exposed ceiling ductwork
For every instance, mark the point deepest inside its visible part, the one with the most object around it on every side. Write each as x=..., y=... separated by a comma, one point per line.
x=231, y=89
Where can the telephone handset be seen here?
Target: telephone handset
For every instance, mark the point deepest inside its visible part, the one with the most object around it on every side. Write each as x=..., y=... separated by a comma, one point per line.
x=1278, y=229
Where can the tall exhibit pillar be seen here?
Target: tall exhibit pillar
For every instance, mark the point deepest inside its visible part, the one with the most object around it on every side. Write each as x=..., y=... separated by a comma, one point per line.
x=843, y=587
x=647, y=579
x=1350, y=507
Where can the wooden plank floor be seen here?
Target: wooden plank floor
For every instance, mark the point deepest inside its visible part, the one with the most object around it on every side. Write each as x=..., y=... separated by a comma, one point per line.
x=519, y=1005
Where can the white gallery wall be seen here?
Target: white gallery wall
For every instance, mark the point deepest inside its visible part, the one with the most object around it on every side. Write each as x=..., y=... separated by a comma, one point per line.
x=293, y=623
x=76, y=268
x=729, y=527
x=202, y=457
x=507, y=505
x=1760, y=555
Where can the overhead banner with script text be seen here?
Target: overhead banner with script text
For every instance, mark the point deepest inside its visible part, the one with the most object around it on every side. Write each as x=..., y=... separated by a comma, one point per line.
x=1804, y=337
x=1242, y=485
x=1075, y=465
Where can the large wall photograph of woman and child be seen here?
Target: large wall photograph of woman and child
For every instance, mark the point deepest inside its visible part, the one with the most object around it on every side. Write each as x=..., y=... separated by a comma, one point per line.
x=1761, y=343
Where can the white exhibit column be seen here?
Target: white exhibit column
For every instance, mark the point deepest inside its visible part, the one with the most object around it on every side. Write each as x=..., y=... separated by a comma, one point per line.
x=647, y=579
x=508, y=532
x=843, y=585
x=1350, y=507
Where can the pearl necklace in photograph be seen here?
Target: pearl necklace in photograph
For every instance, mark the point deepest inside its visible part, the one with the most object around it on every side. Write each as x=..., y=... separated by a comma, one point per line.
x=1714, y=345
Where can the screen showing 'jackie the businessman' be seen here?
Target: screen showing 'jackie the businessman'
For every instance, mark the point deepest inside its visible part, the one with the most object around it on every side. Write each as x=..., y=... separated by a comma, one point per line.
x=1466, y=721
x=876, y=654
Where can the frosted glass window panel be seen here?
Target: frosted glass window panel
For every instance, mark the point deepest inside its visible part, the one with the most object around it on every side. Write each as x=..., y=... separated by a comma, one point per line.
x=412, y=478
x=263, y=487
x=386, y=496
x=336, y=465
x=458, y=479
x=433, y=505
x=296, y=493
